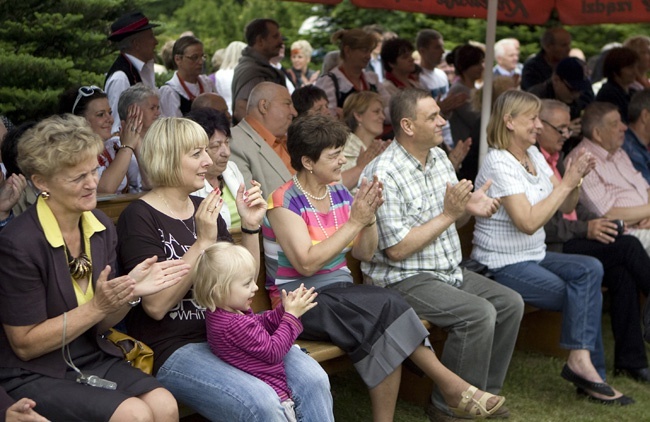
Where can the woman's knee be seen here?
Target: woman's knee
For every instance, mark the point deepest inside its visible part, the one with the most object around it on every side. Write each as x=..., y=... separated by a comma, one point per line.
x=162, y=403
x=133, y=409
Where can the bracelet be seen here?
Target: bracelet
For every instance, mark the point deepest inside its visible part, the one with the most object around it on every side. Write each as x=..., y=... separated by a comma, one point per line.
x=580, y=182
x=127, y=146
x=372, y=223
x=8, y=219
x=135, y=302
x=248, y=231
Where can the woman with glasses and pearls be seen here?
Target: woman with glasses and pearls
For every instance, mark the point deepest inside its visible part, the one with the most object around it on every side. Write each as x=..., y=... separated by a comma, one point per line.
x=188, y=82
x=58, y=296
x=511, y=242
x=91, y=103
x=223, y=174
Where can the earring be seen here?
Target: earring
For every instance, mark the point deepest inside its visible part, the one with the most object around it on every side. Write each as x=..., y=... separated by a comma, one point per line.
x=45, y=195
x=311, y=171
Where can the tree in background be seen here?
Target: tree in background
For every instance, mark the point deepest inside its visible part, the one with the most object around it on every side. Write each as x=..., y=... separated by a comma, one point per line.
x=47, y=46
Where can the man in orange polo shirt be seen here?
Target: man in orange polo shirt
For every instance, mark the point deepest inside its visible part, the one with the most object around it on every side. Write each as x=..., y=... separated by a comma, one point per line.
x=259, y=143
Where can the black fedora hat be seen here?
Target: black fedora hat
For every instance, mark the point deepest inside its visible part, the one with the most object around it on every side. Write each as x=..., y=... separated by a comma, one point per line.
x=129, y=24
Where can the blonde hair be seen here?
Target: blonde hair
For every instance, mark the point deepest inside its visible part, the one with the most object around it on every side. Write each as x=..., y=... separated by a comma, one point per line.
x=55, y=143
x=232, y=54
x=216, y=269
x=304, y=47
x=511, y=103
x=163, y=147
x=355, y=39
x=358, y=103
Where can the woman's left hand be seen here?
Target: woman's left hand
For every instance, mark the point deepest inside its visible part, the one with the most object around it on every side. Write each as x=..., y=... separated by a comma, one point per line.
x=251, y=205
x=131, y=127
x=152, y=276
x=369, y=197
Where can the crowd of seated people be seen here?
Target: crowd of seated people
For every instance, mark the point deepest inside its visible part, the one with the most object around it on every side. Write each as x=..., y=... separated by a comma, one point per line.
x=308, y=177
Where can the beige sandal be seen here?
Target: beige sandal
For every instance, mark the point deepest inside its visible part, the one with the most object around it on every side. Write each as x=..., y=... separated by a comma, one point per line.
x=469, y=407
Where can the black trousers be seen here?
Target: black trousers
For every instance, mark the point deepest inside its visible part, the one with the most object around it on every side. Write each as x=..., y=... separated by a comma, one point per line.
x=627, y=270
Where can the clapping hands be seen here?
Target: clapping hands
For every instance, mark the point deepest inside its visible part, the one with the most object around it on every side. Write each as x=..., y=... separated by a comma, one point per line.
x=299, y=301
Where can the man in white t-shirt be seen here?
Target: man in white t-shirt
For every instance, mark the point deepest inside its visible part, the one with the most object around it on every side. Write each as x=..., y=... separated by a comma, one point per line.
x=431, y=47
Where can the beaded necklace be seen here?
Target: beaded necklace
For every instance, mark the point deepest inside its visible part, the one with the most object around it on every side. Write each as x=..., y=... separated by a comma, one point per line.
x=192, y=232
x=320, y=223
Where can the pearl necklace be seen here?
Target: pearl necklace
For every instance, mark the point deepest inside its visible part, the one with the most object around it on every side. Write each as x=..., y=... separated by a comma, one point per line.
x=192, y=232
x=307, y=194
x=313, y=208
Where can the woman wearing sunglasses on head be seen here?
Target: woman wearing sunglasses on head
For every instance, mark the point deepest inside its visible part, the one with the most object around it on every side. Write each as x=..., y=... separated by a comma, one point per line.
x=91, y=103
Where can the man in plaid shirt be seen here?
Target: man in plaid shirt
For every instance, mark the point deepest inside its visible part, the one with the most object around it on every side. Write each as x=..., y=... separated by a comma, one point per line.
x=419, y=249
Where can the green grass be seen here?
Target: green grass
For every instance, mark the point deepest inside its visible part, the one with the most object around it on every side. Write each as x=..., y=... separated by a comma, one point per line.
x=534, y=391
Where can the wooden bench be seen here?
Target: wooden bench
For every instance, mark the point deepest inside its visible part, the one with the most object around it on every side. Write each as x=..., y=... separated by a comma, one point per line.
x=539, y=331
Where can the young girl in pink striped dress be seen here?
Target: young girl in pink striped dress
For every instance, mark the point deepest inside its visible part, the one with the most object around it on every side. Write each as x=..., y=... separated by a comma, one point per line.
x=224, y=279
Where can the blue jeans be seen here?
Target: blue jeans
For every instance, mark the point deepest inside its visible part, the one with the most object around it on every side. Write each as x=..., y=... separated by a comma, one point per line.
x=569, y=284
x=221, y=392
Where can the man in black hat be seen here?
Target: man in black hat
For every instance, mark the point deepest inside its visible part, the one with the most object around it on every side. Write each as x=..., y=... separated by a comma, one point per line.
x=135, y=39
x=264, y=42
x=569, y=84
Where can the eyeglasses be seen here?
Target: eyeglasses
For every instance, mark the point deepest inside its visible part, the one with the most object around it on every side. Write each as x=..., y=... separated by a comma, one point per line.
x=85, y=91
x=195, y=58
x=566, y=132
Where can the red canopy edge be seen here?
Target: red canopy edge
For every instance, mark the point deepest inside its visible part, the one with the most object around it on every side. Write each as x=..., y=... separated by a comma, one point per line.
x=532, y=12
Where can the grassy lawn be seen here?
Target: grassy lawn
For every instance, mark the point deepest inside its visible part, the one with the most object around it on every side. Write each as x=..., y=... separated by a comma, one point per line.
x=534, y=390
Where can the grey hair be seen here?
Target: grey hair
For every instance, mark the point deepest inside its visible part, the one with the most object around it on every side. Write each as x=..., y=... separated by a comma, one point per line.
x=133, y=95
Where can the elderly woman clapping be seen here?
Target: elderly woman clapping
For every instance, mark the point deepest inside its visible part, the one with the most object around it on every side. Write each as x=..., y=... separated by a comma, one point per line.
x=57, y=294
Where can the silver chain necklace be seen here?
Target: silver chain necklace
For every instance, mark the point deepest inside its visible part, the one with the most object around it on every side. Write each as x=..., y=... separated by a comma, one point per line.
x=320, y=224
x=192, y=232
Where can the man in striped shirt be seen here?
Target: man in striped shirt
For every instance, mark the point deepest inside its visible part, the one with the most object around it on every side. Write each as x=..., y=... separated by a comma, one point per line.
x=614, y=189
x=419, y=249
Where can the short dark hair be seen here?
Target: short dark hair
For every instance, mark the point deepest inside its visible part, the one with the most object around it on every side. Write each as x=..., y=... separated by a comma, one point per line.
x=181, y=44
x=392, y=49
x=210, y=120
x=9, y=148
x=403, y=104
x=465, y=56
x=640, y=101
x=257, y=28
x=593, y=116
x=618, y=58
x=304, y=98
x=308, y=136
x=426, y=37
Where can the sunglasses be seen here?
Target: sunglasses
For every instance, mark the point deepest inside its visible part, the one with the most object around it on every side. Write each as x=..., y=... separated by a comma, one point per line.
x=85, y=91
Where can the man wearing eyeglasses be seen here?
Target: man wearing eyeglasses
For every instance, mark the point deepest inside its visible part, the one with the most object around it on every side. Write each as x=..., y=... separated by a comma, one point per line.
x=178, y=94
x=586, y=233
x=264, y=42
x=570, y=85
x=134, y=37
